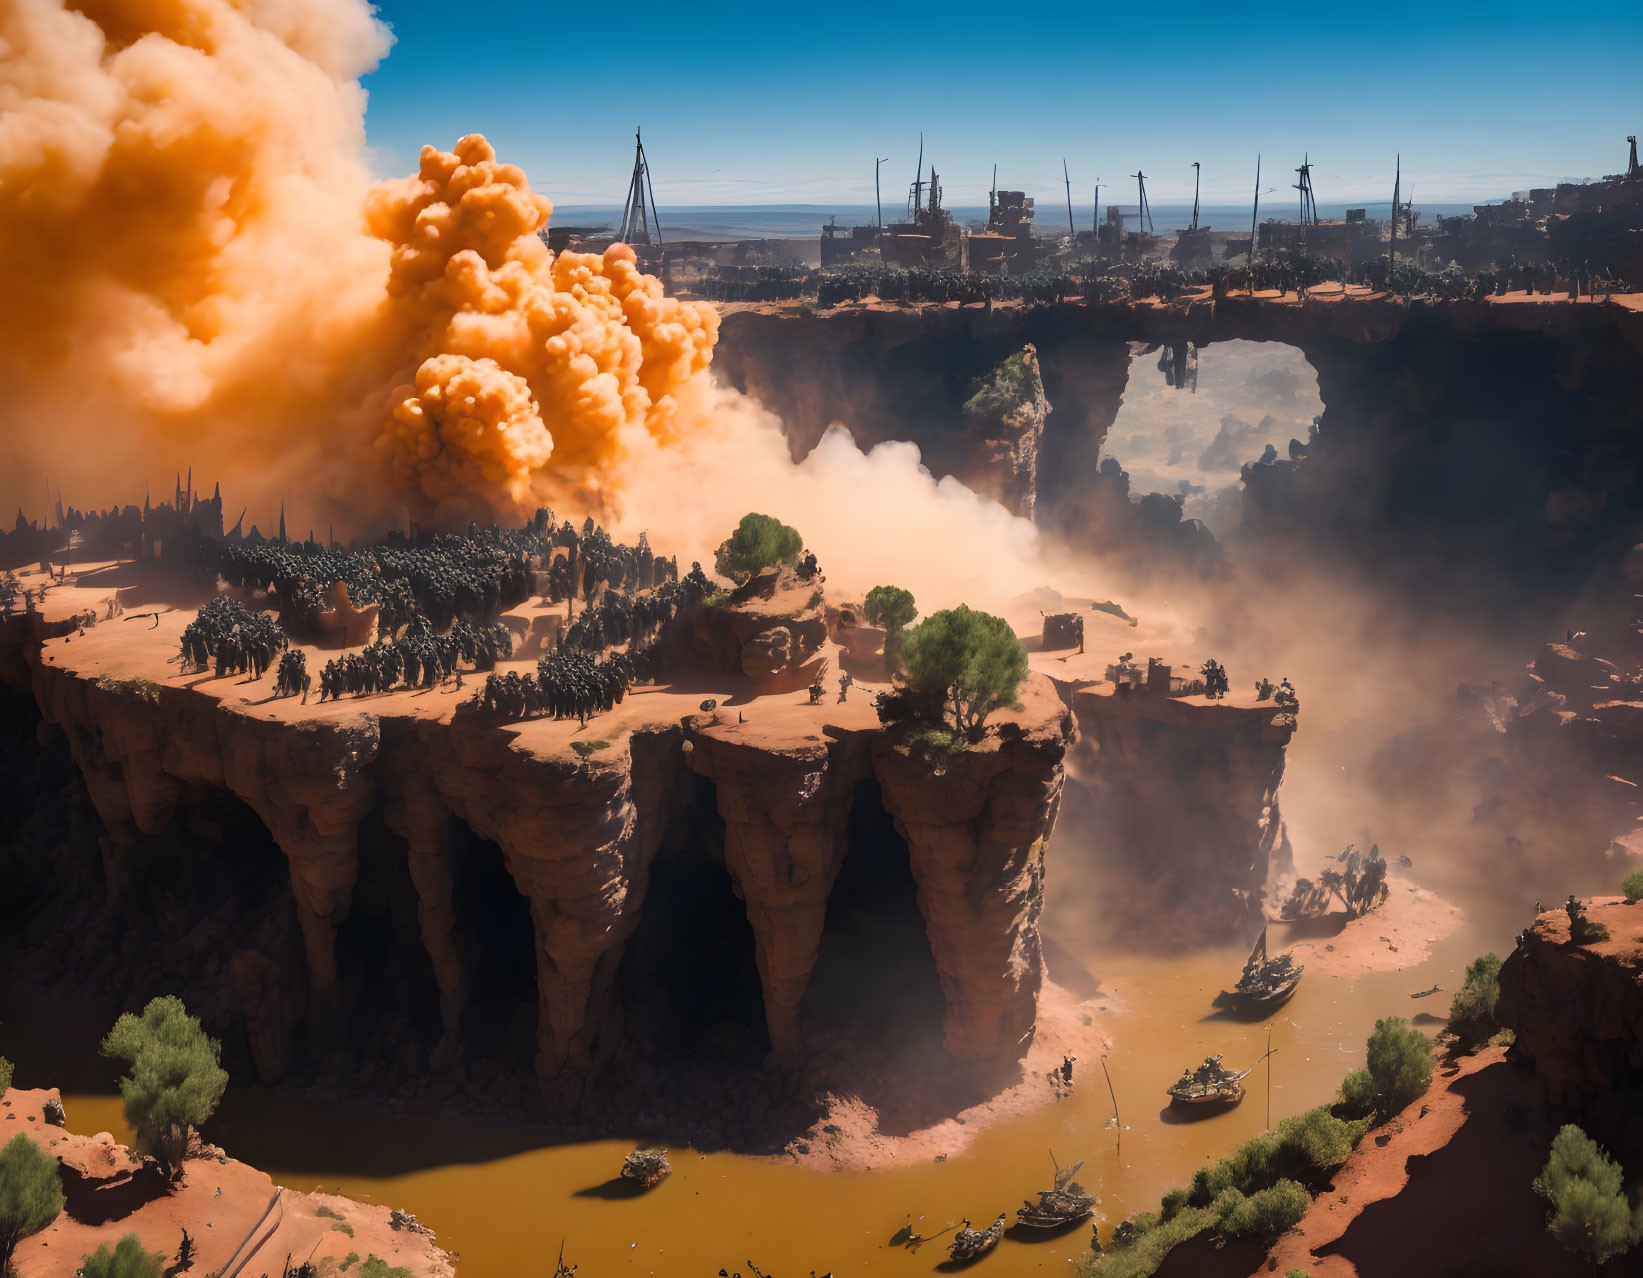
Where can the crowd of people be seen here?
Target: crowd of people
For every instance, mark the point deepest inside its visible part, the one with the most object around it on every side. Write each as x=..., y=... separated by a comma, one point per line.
x=1102, y=279
x=292, y=676
x=473, y=575
x=420, y=658
x=232, y=637
x=620, y=618
x=568, y=685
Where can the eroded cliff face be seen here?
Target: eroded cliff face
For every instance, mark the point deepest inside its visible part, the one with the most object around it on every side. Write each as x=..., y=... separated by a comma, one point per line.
x=1003, y=423
x=1440, y=419
x=1173, y=810
x=1577, y=1010
x=977, y=829
x=577, y=834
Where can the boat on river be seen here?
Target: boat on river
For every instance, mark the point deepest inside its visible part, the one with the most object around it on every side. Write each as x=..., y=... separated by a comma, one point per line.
x=647, y=1168
x=1211, y=1085
x=1267, y=983
x=972, y=1244
x=1066, y=1204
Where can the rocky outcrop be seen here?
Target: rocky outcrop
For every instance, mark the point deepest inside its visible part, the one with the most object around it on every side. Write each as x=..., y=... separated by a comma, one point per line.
x=786, y=808
x=346, y=791
x=1413, y=395
x=1179, y=796
x=1003, y=422
x=769, y=628
x=237, y=1219
x=976, y=827
x=1577, y=1010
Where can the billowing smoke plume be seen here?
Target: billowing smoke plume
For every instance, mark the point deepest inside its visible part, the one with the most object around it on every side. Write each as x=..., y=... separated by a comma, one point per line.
x=199, y=273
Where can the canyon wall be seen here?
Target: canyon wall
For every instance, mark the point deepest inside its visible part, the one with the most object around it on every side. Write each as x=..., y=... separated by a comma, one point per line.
x=1172, y=813
x=1456, y=434
x=577, y=835
x=1577, y=1010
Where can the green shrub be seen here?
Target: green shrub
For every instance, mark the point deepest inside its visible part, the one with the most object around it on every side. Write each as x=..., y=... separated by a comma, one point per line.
x=1306, y=1148
x=967, y=663
x=1590, y=1215
x=1313, y=1144
x=1357, y=1094
x=1007, y=386
x=1154, y=1239
x=1632, y=886
x=127, y=1259
x=1267, y=1213
x=759, y=542
x=585, y=748
x=30, y=1196
x=5, y=1075
x=175, y=1078
x=1400, y=1065
x=376, y=1267
x=1472, y=1012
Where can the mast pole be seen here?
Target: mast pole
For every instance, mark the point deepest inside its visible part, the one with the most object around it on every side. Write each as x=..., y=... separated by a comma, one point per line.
x=1253, y=217
x=877, y=201
x=1196, y=175
x=1069, y=183
x=1392, y=249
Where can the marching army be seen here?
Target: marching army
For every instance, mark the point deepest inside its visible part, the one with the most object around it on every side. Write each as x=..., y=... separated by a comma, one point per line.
x=227, y=634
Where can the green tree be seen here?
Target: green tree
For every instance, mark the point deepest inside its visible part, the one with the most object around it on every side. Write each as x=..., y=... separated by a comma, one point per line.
x=1400, y=1065
x=894, y=609
x=890, y=607
x=30, y=1196
x=969, y=663
x=5, y=1075
x=1632, y=886
x=126, y=1259
x=175, y=1078
x=1472, y=1012
x=1590, y=1215
x=759, y=542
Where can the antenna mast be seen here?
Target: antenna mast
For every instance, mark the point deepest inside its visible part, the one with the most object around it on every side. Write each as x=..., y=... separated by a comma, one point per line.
x=1069, y=183
x=639, y=213
x=918, y=178
x=1253, y=217
x=878, y=203
x=1196, y=174
x=1392, y=253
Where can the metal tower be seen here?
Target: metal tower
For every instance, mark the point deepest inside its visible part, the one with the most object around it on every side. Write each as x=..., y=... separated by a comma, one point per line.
x=639, y=213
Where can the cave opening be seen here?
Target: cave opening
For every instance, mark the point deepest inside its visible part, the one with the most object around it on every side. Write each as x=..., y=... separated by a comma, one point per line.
x=689, y=978
x=1191, y=417
x=387, y=977
x=498, y=938
x=206, y=898
x=875, y=986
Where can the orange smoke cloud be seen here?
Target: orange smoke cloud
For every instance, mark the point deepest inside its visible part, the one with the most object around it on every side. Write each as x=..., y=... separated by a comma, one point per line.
x=198, y=272
x=540, y=368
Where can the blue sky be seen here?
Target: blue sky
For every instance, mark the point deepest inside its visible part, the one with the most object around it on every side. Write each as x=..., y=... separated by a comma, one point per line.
x=745, y=104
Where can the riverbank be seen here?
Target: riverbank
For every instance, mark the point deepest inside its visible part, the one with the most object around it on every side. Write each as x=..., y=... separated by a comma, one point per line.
x=237, y=1219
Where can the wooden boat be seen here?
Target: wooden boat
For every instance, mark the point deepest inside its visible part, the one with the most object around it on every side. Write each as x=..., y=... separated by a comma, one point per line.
x=1066, y=1204
x=1425, y=993
x=1267, y=983
x=972, y=1244
x=1211, y=1084
x=647, y=1168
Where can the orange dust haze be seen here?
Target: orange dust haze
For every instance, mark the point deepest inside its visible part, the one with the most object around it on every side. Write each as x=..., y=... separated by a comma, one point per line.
x=199, y=273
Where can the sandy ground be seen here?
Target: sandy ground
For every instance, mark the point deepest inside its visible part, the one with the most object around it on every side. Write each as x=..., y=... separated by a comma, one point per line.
x=239, y=1220
x=857, y=1144
x=1398, y=935
x=1443, y=1189
x=138, y=645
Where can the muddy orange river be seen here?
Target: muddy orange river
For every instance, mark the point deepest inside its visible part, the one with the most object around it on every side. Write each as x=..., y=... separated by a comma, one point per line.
x=506, y=1215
